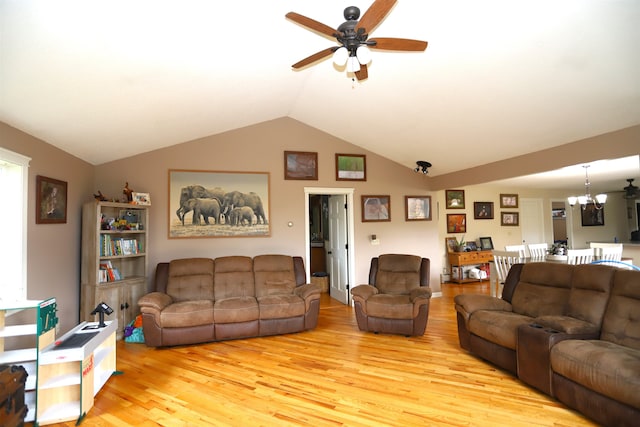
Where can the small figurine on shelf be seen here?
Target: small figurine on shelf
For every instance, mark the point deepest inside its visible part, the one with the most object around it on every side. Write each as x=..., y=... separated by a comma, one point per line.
x=100, y=197
x=128, y=192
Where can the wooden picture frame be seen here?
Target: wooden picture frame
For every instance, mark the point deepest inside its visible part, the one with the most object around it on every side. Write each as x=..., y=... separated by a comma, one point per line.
x=376, y=208
x=454, y=199
x=510, y=219
x=301, y=165
x=456, y=223
x=592, y=216
x=482, y=210
x=51, y=201
x=486, y=244
x=351, y=167
x=417, y=208
x=143, y=199
x=508, y=200
x=451, y=243
x=187, y=189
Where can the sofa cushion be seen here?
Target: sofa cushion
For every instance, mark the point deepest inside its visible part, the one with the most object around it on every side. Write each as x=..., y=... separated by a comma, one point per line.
x=281, y=306
x=234, y=277
x=499, y=327
x=567, y=324
x=621, y=324
x=590, y=291
x=273, y=275
x=190, y=279
x=389, y=306
x=607, y=368
x=543, y=291
x=233, y=310
x=398, y=274
x=187, y=313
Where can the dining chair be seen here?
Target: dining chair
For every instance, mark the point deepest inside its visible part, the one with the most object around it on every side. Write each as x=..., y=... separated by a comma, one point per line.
x=607, y=252
x=538, y=251
x=579, y=256
x=518, y=248
x=503, y=261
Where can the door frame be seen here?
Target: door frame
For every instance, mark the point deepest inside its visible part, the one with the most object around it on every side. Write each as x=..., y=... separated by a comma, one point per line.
x=350, y=230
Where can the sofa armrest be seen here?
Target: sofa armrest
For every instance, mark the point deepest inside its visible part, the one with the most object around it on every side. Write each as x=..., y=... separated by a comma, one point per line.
x=155, y=300
x=307, y=290
x=473, y=302
x=364, y=291
x=423, y=292
x=568, y=325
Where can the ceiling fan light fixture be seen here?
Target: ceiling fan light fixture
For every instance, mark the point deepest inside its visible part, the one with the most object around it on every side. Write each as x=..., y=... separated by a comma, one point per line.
x=363, y=53
x=340, y=56
x=353, y=66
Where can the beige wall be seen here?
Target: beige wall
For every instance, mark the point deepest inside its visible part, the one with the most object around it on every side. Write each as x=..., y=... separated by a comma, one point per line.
x=53, y=249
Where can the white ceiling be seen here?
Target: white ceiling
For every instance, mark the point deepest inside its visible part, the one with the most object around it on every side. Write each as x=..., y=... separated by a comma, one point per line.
x=107, y=79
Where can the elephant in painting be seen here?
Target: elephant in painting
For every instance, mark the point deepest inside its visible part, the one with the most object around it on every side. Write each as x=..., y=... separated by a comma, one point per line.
x=196, y=192
x=207, y=208
x=237, y=199
x=239, y=215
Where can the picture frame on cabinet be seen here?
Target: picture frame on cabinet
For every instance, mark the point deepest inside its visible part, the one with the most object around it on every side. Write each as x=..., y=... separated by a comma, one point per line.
x=417, y=208
x=143, y=199
x=508, y=200
x=451, y=243
x=486, y=244
x=301, y=165
x=351, y=167
x=456, y=223
x=454, y=199
x=219, y=190
x=509, y=219
x=376, y=208
x=482, y=210
x=51, y=201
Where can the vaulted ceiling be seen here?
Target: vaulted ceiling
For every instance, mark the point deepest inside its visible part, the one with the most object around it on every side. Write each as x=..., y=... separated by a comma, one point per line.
x=104, y=79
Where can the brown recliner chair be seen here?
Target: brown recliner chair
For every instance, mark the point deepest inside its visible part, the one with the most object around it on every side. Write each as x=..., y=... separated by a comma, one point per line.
x=396, y=300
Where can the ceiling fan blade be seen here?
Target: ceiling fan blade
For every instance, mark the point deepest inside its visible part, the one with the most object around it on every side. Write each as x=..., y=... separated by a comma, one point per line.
x=390, y=43
x=363, y=74
x=312, y=24
x=315, y=57
x=374, y=15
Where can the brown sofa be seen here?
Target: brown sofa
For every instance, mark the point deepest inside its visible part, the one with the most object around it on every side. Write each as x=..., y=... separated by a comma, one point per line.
x=396, y=299
x=571, y=331
x=198, y=300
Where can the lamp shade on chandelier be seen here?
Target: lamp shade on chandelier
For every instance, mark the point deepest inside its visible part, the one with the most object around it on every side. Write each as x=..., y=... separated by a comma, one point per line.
x=584, y=200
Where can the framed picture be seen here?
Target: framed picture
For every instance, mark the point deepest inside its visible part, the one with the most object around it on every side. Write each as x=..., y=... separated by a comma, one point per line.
x=472, y=246
x=376, y=208
x=51, y=201
x=509, y=218
x=351, y=167
x=456, y=223
x=486, y=244
x=451, y=243
x=592, y=216
x=141, y=198
x=218, y=204
x=454, y=199
x=482, y=210
x=417, y=208
x=508, y=200
x=300, y=165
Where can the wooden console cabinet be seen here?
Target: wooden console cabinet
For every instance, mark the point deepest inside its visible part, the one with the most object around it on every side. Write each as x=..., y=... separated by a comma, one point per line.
x=458, y=260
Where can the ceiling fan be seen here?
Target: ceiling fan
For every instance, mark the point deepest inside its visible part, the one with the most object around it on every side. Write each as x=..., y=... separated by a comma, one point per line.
x=353, y=38
x=631, y=191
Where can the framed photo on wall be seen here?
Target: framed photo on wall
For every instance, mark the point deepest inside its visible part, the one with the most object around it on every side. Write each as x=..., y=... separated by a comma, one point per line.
x=509, y=218
x=301, y=165
x=482, y=210
x=508, y=200
x=592, y=216
x=376, y=208
x=51, y=201
x=351, y=167
x=456, y=223
x=417, y=208
x=454, y=199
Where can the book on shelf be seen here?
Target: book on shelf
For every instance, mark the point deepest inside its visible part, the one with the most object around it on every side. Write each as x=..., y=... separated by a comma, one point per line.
x=108, y=273
x=118, y=246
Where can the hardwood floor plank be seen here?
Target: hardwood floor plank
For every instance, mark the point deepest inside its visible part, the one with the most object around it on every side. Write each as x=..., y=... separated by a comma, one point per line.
x=334, y=375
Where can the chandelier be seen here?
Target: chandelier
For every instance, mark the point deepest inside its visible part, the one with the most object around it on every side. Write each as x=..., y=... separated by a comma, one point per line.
x=599, y=200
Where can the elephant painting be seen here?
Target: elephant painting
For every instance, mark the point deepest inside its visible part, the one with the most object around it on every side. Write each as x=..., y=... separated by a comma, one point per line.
x=196, y=192
x=237, y=199
x=239, y=215
x=207, y=208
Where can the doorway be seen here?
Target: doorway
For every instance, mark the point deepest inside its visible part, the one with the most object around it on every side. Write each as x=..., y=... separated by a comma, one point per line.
x=333, y=236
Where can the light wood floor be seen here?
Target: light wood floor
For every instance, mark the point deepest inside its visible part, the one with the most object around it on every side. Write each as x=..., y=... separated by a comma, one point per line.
x=334, y=375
